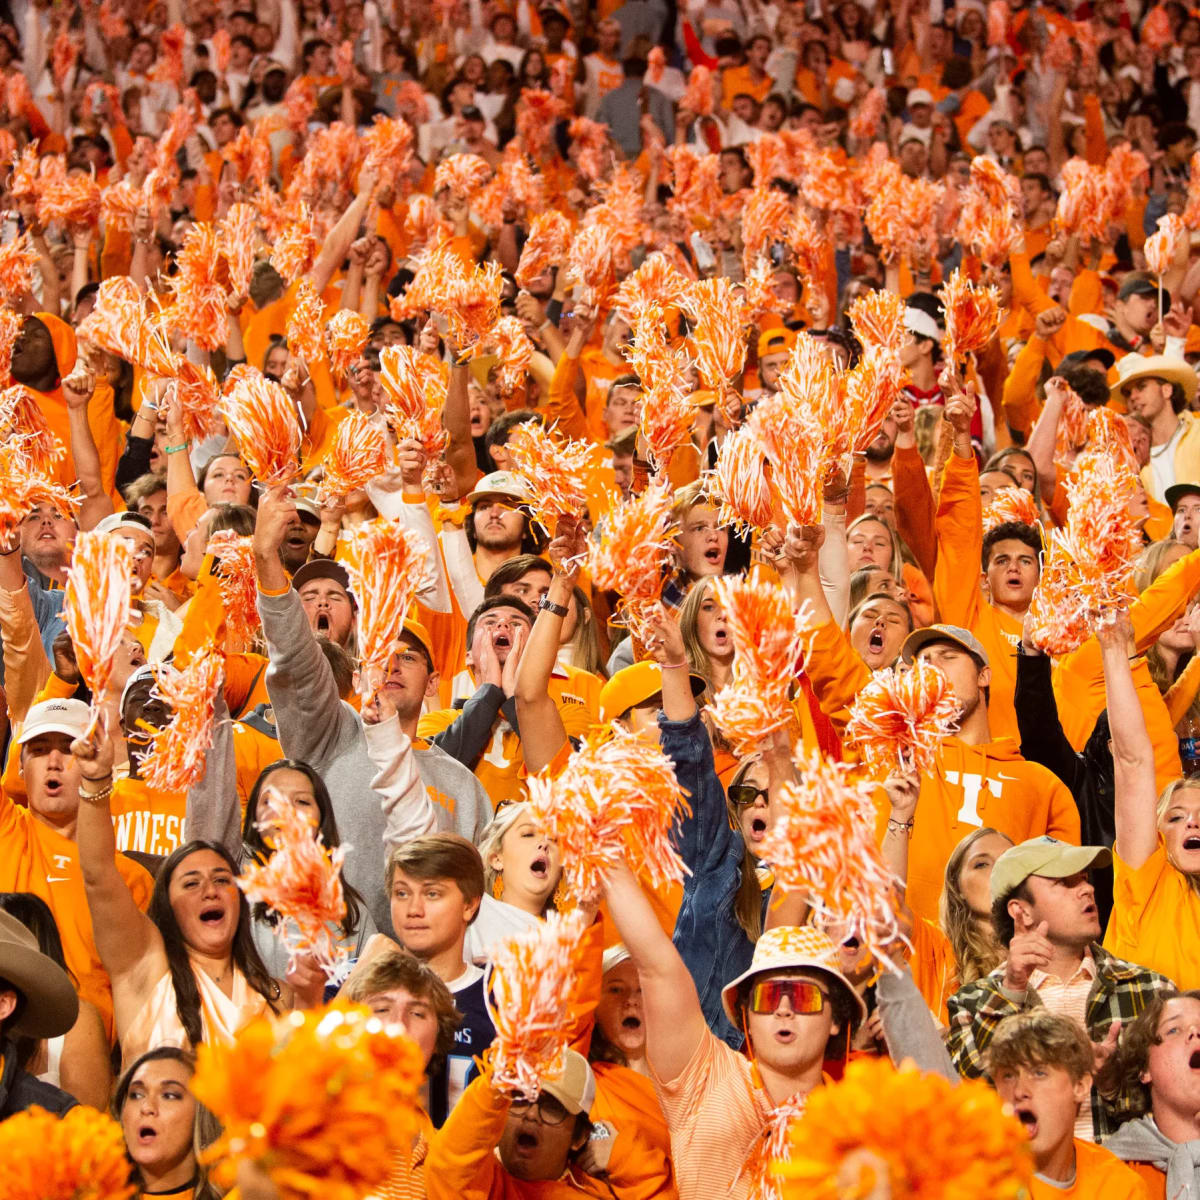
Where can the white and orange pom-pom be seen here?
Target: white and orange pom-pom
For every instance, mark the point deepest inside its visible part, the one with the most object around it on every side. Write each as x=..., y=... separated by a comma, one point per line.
x=1081, y=202
x=634, y=552
x=509, y=342
x=822, y=845
x=71, y=201
x=667, y=417
x=1156, y=29
x=718, y=337
x=238, y=584
x=358, y=454
x=346, y=334
x=864, y=124
x=554, y=471
x=527, y=989
x=869, y=390
x=590, y=264
x=1058, y=621
x=237, y=238
x=546, y=246
x=22, y=488
x=1161, y=248
x=417, y=388
x=199, y=310
x=197, y=393
x=973, y=315
x=389, y=143
x=997, y=22
x=698, y=98
x=262, y=417
x=295, y=247
x=1010, y=505
x=97, y=606
x=305, y=324
x=658, y=281
x=589, y=142
x=18, y=263
x=464, y=174
x=614, y=802
x=741, y=482
x=769, y=649
x=387, y=569
x=301, y=881
x=900, y=717
x=23, y=424
x=764, y=221
x=10, y=326
x=878, y=319
x=175, y=758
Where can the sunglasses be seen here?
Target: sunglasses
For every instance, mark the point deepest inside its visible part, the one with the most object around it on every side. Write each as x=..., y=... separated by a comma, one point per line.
x=744, y=795
x=805, y=997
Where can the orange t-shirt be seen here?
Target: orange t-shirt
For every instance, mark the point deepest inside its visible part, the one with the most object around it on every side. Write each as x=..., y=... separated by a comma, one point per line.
x=146, y=820
x=1099, y=1175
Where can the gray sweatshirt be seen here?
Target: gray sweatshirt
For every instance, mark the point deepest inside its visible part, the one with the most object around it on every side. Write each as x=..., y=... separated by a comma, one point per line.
x=317, y=727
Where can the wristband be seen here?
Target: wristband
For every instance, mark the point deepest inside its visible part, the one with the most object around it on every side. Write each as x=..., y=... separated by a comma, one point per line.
x=547, y=605
x=176, y=449
x=904, y=827
x=679, y=666
x=96, y=797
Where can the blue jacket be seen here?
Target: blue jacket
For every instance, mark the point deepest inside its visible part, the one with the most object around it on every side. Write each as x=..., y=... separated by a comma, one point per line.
x=709, y=939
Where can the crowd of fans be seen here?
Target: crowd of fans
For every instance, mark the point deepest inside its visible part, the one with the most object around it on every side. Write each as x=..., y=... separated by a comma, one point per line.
x=333, y=154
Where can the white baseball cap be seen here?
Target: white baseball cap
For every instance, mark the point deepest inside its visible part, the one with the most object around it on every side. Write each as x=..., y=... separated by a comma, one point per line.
x=55, y=716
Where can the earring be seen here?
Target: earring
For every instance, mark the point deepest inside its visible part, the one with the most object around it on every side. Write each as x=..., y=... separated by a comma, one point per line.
x=498, y=887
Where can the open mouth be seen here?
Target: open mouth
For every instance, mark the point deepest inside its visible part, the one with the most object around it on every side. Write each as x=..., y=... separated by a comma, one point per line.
x=785, y=1036
x=875, y=642
x=146, y=1134
x=322, y=623
x=713, y=555
x=758, y=826
x=540, y=867
x=527, y=1141
x=1028, y=1118
x=632, y=1023
x=212, y=916
x=502, y=642
x=721, y=636
x=1192, y=842
x=52, y=786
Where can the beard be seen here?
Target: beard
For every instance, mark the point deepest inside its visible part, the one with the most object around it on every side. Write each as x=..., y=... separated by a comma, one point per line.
x=880, y=450
x=497, y=539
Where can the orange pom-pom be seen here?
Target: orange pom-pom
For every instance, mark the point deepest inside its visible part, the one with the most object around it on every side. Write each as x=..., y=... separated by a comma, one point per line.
x=614, y=802
x=262, y=416
x=869, y=390
x=464, y=174
x=237, y=239
x=1082, y=207
x=22, y=488
x=1009, y=505
x=23, y=427
x=222, y=44
x=346, y=334
x=527, y=989
x=1156, y=29
x=1161, y=248
x=546, y=246
x=554, y=470
x=18, y=264
x=301, y=881
x=176, y=755
x=305, y=323
x=718, y=336
x=696, y=184
x=97, y=606
x=299, y=102
x=667, y=418
x=764, y=221
x=389, y=143
x=468, y=299
x=238, y=584
x=973, y=316
x=590, y=264
x=513, y=183
x=878, y=319
x=656, y=282
x=77, y=1156
x=323, y=1101
x=168, y=66
x=742, y=483
x=900, y=717
x=359, y=453
x=10, y=326
x=769, y=648
x=295, y=247
x=589, y=144
x=864, y=124
x=387, y=569
x=417, y=388
x=509, y=342
x=997, y=22
x=538, y=112
x=73, y=200
x=822, y=844
x=64, y=54
x=634, y=552
x=199, y=310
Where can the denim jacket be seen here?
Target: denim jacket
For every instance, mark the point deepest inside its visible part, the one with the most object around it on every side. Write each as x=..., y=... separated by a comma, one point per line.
x=709, y=939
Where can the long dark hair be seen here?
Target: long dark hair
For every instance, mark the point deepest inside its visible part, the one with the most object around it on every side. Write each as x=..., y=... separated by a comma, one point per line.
x=206, y=1128
x=245, y=956
x=258, y=850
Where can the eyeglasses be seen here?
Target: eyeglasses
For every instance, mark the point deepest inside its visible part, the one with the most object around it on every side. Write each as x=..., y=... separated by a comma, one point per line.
x=744, y=795
x=805, y=997
x=550, y=1111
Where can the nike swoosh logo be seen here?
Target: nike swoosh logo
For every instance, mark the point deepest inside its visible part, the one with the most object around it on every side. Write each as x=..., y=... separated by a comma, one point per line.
x=58, y=879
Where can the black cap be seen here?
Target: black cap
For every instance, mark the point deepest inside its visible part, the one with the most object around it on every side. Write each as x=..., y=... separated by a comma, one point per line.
x=471, y=113
x=1140, y=285
x=323, y=568
x=1080, y=358
x=1177, y=491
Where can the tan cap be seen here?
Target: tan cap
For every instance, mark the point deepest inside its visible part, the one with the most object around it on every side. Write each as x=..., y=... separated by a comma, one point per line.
x=1044, y=856
x=500, y=483
x=574, y=1086
x=943, y=633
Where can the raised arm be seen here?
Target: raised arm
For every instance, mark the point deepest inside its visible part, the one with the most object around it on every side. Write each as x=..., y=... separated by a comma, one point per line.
x=128, y=942
x=96, y=504
x=1045, y=435
x=337, y=244
x=543, y=734
x=1133, y=752
x=675, y=1025
x=406, y=804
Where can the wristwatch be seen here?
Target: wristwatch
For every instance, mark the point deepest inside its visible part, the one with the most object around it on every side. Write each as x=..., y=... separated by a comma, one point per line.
x=547, y=605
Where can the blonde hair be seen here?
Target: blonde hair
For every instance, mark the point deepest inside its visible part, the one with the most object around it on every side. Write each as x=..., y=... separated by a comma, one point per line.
x=975, y=947
x=506, y=817
x=897, y=563
x=1041, y=1038
x=1151, y=562
x=1183, y=783
x=689, y=615
x=583, y=646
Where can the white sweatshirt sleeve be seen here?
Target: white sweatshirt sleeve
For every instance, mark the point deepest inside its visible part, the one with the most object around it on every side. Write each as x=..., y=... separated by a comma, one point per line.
x=406, y=804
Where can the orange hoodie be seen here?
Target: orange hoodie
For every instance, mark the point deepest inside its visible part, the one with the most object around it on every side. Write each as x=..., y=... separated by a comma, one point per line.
x=970, y=786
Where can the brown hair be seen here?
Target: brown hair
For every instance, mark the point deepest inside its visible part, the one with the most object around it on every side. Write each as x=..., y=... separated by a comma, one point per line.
x=689, y=616
x=396, y=968
x=1038, y=1038
x=975, y=947
x=143, y=487
x=440, y=856
x=1129, y=1061
x=748, y=900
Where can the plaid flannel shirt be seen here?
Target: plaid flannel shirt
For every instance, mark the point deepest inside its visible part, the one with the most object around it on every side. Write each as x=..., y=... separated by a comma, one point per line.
x=1119, y=992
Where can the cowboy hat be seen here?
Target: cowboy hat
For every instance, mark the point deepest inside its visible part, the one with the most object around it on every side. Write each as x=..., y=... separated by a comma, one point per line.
x=1133, y=367
x=51, y=1004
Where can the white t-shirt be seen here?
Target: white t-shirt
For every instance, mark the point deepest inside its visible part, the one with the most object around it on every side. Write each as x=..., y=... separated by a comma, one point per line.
x=1162, y=461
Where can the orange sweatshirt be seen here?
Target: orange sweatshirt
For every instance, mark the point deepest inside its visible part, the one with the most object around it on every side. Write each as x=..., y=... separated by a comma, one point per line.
x=971, y=786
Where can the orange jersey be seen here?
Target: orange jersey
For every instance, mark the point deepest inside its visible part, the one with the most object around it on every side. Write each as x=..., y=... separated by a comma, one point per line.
x=1099, y=1175
x=148, y=821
